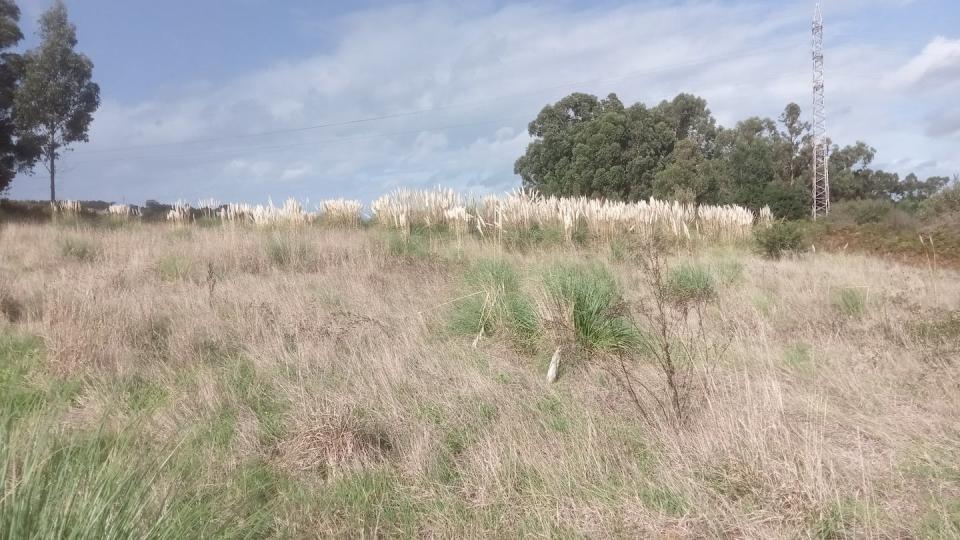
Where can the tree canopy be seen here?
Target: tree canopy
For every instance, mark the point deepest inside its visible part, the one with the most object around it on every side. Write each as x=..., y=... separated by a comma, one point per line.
x=16, y=153
x=586, y=146
x=57, y=98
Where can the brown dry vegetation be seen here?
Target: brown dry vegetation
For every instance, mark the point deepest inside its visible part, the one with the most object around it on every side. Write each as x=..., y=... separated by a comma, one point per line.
x=305, y=381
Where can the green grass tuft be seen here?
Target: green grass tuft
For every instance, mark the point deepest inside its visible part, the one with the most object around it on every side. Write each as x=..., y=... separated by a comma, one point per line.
x=691, y=283
x=257, y=393
x=851, y=302
x=797, y=356
x=18, y=356
x=141, y=395
x=174, y=268
x=728, y=271
x=590, y=297
x=78, y=249
x=497, y=306
x=288, y=253
x=409, y=247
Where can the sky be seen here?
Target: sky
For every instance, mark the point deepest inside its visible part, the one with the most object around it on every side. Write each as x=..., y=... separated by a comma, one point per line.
x=250, y=100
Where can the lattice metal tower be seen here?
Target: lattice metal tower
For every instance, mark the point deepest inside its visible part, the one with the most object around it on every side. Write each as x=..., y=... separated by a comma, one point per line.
x=821, y=147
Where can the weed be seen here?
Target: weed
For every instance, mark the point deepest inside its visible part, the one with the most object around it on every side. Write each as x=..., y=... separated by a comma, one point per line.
x=496, y=304
x=851, y=302
x=11, y=308
x=18, y=398
x=663, y=499
x=552, y=409
x=408, y=247
x=220, y=430
x=942, y=520
x=152, y=336
x=260, y=396
x=78, y=249
x=728, y=272
x=141, y=395
x=536, y=236
x=619, y=249
x=369, y=503
x=690, y=283
x=835, y=521
x=670, y=341
x=174, y=268
x=797, y=355
x=288, y=253
x=943, y=330
x=216, y=352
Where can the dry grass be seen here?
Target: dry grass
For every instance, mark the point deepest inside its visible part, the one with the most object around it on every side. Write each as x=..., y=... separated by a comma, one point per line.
x=333, y=380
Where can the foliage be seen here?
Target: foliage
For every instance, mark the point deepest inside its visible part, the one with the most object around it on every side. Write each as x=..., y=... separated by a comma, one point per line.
x=585, y=146
x=592, y=308
x=599, y=148
x=56, y=102
x=17, y=154
x=779, y=239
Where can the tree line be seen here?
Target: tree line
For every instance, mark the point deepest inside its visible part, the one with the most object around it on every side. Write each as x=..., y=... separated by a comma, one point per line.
x=47, y=95
x=587, y=146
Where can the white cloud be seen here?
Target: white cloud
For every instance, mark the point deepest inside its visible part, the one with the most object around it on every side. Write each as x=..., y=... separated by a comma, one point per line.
x=484, y=73
x=294, y=173
x=252, y=169
x=937, y=65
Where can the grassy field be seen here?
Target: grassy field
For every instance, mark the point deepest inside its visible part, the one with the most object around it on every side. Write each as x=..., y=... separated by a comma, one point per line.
x=182, y=381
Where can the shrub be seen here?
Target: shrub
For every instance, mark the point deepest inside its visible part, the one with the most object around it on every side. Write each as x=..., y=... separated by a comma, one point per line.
x=869, y=210
x=590, y=306
x=778, y=239
x=851, y=302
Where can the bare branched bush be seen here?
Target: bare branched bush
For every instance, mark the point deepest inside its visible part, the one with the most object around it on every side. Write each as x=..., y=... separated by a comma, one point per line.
x=670, y=319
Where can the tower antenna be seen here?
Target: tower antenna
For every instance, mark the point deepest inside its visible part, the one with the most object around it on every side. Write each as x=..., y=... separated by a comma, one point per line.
x=821, y=146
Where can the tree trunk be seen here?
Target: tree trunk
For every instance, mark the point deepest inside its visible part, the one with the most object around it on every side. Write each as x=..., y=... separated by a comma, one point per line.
x=52, y=159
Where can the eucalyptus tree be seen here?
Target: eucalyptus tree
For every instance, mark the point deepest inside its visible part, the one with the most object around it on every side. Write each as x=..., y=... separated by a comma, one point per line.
x=57, y=98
